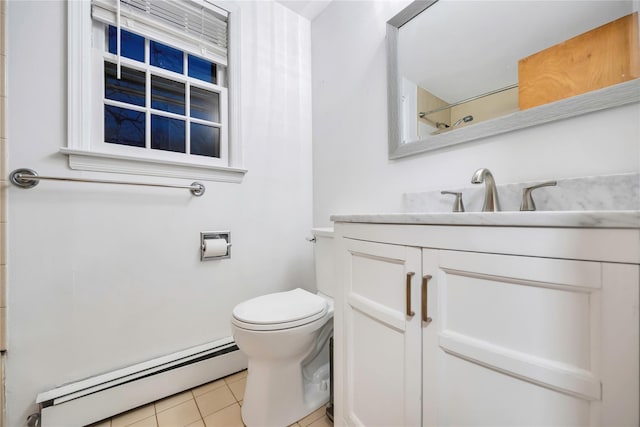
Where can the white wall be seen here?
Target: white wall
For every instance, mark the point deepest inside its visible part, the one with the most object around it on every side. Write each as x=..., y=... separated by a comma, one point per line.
x=351, y=170
x=99, y=276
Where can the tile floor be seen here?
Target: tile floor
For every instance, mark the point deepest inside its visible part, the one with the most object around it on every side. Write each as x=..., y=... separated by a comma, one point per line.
x=216, y=404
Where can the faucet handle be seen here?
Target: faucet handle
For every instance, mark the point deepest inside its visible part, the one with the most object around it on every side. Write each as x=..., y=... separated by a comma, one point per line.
x=527, y=200
x=458, y=206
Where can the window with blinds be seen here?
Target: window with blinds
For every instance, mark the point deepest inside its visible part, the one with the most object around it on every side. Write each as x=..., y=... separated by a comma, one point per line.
x=158, y=83
x=164, y=99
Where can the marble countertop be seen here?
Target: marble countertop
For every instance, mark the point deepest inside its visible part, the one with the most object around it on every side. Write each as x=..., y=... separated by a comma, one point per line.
x=577, y=219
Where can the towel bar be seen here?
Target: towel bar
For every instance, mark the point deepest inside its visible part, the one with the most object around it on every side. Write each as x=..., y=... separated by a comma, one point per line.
x=28, y=178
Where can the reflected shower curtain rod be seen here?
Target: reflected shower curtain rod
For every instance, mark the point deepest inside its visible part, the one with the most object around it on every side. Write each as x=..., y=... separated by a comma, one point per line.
x=28, y=178
x=473, y=98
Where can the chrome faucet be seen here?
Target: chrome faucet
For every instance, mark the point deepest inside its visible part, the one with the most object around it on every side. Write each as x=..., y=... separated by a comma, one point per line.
x=490, y=193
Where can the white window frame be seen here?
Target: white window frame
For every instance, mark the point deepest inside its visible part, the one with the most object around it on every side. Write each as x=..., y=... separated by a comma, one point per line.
x=86, y=148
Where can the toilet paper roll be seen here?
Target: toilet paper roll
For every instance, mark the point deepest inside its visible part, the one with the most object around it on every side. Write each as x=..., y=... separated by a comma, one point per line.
x=215, y=247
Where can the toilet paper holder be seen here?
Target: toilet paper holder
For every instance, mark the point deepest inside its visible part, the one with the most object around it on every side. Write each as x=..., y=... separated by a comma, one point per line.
x=213, y=235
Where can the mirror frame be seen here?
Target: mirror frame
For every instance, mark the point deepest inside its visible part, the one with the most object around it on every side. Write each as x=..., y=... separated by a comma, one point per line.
x=609, y=97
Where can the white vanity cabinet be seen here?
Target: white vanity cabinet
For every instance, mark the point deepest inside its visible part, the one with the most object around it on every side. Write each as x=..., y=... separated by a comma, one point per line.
x=527, y=326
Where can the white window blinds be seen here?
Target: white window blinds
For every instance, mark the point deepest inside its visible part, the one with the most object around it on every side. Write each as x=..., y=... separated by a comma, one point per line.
x=190, y=25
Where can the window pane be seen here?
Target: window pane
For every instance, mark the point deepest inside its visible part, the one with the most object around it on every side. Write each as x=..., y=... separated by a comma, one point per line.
x=124, y=126
x=131, y=45
x=167, y=134
x=202, y=69
x=167, y=95
x=205, y=140
x=205, y=105
x=130, y=88
x=166, y=57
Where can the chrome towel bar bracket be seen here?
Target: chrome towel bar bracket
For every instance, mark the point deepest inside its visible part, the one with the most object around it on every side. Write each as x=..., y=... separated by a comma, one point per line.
x=28, y=178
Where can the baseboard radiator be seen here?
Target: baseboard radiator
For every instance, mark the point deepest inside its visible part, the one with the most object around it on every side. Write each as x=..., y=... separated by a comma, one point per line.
x=96, y=398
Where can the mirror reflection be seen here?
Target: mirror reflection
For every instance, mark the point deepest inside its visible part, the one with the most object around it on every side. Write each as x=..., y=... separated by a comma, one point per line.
x=464, y=62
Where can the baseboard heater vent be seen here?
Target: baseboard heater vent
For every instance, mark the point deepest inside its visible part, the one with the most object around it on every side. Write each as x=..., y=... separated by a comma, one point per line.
x=96, y=398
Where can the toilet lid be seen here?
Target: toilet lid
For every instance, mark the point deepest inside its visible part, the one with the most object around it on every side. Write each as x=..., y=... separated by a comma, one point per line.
x=280, y=310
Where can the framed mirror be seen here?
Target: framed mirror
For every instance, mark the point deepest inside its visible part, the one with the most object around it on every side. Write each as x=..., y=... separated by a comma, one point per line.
x=463, y=70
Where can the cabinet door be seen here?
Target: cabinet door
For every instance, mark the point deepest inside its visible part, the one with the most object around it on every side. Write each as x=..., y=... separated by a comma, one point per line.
x=382, y=335
x=530, y=341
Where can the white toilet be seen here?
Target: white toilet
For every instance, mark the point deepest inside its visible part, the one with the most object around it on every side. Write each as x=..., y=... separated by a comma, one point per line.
x=285, y=336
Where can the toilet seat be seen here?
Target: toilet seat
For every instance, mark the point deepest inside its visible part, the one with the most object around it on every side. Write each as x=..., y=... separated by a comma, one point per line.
x=280, y=310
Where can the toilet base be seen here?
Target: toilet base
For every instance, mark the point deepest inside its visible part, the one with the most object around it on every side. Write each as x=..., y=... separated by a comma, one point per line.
x=278, y=395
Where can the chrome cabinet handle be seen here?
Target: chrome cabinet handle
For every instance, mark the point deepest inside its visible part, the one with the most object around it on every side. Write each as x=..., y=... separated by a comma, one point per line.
x=410, y=312
x=425, y=282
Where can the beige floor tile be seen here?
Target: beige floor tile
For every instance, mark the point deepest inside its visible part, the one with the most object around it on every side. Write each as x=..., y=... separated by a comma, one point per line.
x=208, y=387
x=322, y=422
x=133, y=416
x=215, y=400
x=236, y=377
x=172, y=401
x=179, y=416
x=237, y=388
x=294, y=425
x=147, y=422
x=228, y=417
x=318, y=413
x=198, y=423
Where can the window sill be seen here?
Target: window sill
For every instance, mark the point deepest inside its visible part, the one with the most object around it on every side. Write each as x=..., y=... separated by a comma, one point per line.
x=116, y=163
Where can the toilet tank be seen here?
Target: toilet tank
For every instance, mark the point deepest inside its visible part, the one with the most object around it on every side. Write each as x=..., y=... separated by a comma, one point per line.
x=323, y=253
